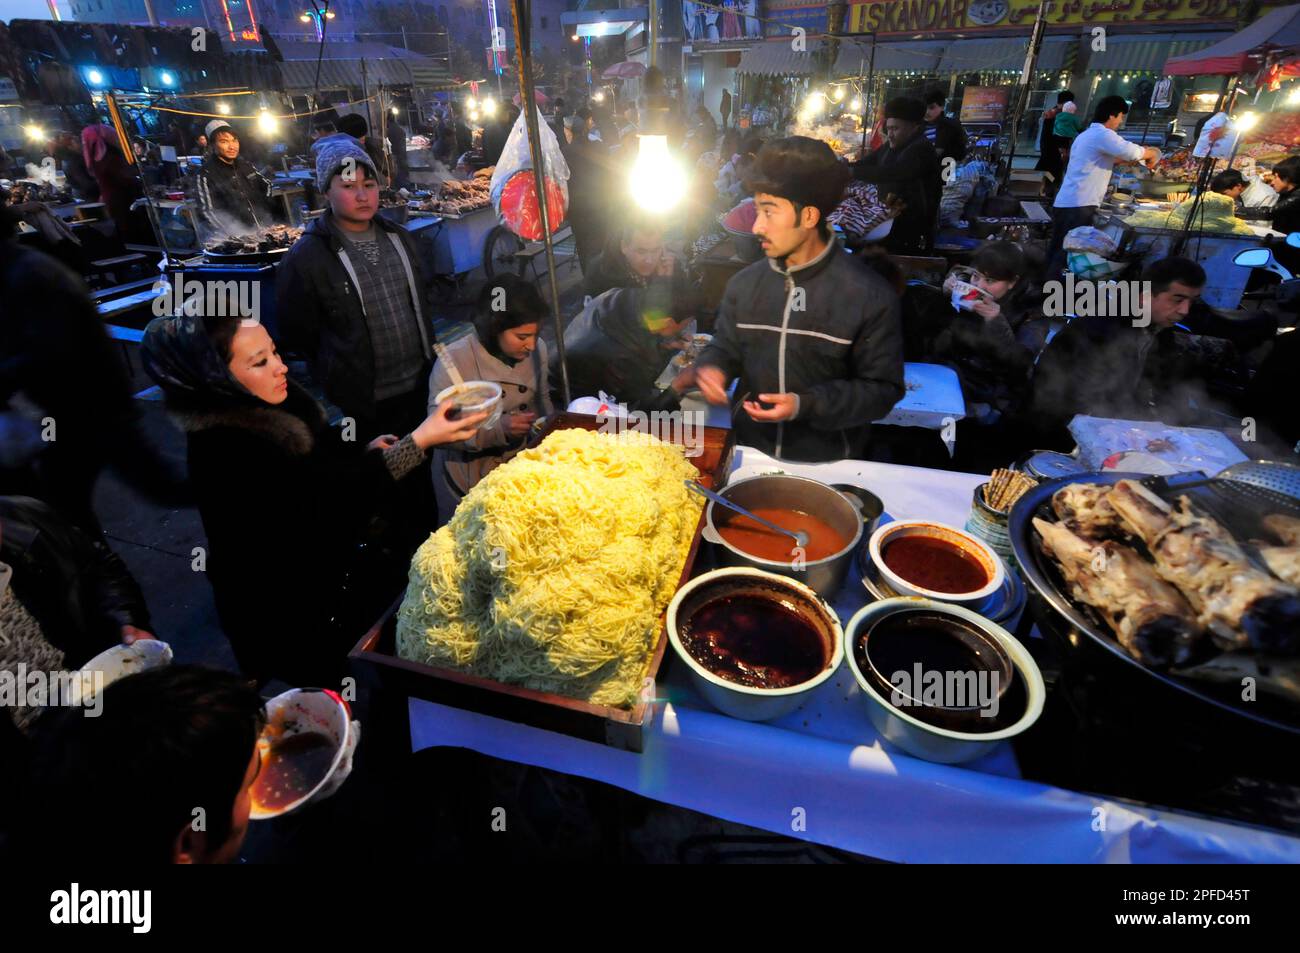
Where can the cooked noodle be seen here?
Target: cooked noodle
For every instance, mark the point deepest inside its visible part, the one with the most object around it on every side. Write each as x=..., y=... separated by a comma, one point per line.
x=555, y=568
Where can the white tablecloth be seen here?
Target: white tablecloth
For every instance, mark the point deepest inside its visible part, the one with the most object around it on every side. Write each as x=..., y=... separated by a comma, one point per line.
x=822, y=773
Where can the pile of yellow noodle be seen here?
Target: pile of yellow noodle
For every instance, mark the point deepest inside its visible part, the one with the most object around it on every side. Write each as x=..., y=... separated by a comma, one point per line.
x=555, y=568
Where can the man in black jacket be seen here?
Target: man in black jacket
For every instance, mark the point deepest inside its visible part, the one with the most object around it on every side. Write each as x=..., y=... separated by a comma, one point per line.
x=635, y=258
x=621, y=343
x=353, y=300
x=945, y=134
x=907, y=167
x=232, y=196
x=813, y=336
x=1110, y=365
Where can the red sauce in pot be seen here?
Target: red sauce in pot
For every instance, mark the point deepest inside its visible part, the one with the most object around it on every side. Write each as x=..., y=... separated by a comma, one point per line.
x=756, y=540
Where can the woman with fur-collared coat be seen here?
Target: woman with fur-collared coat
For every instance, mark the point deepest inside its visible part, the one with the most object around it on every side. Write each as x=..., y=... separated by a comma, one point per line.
x=505, y=349
x=286, y=500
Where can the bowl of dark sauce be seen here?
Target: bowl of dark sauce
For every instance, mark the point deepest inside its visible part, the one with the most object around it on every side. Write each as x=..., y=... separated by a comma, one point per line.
x=939, y=681
x=944, y=670
x=755, y=643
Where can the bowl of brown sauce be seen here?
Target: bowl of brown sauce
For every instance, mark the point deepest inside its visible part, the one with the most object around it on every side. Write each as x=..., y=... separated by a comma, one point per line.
x=305, y=751
x=939, y=681
x=756, y=643
x=935, y=561
x=834, y=524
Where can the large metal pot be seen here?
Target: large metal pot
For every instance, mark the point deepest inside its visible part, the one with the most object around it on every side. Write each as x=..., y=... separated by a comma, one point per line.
x=823, y=576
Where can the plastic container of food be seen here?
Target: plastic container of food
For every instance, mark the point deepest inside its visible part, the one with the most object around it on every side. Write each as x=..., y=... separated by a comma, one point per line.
x=473, y=397
x=306, y=750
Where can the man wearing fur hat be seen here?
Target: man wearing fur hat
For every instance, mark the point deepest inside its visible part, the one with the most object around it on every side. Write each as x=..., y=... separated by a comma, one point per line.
x=232, y=195
x=907, y=167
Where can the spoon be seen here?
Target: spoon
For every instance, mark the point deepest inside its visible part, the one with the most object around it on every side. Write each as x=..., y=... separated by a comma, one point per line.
x=799, y=536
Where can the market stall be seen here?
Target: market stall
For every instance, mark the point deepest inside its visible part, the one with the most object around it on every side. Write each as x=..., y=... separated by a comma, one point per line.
x=825, y=773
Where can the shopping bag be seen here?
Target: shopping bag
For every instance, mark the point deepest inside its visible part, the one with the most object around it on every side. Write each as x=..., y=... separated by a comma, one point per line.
x=513, y=189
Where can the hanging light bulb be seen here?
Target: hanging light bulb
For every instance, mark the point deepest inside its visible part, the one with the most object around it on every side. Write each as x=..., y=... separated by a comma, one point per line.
x=488, y=107
x=266, y=123
x=837, y=93
x=223, y=108
x=856, y=105
x=1293, y=96
x=657, y=182
x=1246, y=121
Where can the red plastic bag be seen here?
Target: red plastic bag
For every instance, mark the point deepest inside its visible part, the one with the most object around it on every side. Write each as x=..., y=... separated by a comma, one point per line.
x=518, y=207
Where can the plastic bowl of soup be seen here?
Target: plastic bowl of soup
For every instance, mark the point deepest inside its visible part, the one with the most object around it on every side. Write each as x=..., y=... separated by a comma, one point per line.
x=935, y=561
x=306, y=751
x=473, y=397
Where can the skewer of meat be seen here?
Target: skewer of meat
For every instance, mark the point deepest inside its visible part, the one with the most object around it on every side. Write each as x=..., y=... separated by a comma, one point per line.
x=1241, y=605
x=1152, y=621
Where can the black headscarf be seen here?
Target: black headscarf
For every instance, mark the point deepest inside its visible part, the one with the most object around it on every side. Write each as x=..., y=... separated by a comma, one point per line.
x=178, y=353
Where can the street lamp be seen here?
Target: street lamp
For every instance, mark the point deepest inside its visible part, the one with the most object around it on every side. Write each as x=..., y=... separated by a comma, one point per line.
x=317, y=16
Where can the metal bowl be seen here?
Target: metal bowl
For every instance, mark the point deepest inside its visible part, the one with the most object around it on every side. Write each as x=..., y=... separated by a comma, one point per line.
x=920, y=738
x=823, y=576
x=744, y=701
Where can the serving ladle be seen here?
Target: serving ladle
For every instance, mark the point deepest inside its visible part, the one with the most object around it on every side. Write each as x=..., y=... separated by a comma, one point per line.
x=799, y=536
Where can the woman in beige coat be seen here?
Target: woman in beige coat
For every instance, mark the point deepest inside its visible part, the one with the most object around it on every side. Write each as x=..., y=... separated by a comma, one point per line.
x=505, y=349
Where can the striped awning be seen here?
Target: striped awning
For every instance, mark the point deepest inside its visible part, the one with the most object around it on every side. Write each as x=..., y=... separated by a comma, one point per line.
x=973, y=56
x=778, y=58
x=853, y=58
x=1148, y=52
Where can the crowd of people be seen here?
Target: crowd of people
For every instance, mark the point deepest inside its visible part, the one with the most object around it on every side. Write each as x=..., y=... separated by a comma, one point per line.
x=315, y=487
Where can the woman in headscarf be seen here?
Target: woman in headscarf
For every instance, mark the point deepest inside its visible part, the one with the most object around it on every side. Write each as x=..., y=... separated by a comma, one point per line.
x=118, y=184
x=286, y=499
x=505, y=348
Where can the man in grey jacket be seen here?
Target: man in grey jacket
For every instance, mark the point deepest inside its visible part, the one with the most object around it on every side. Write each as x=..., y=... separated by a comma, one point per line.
x=812, y=334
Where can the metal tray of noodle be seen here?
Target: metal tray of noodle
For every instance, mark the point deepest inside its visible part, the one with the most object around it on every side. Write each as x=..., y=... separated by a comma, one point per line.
x=620, y=726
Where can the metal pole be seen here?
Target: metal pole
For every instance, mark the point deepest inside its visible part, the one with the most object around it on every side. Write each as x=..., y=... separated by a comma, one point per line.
x=869, y=93
x=523, y=61
x=1026, y=77
x=654, y=31
x=365, y=96
x=1203, y=176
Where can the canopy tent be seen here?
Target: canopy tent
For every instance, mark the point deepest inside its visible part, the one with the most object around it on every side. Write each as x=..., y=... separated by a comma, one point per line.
x=1274, y=36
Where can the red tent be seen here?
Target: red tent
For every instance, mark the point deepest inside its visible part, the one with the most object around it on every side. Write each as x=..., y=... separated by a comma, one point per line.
x=1275, y=36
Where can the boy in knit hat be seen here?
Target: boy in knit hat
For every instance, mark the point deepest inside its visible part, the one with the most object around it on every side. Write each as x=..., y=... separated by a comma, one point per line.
x=353, y=299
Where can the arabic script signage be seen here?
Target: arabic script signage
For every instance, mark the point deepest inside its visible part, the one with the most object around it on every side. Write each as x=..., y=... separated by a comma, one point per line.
x=938, y=16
